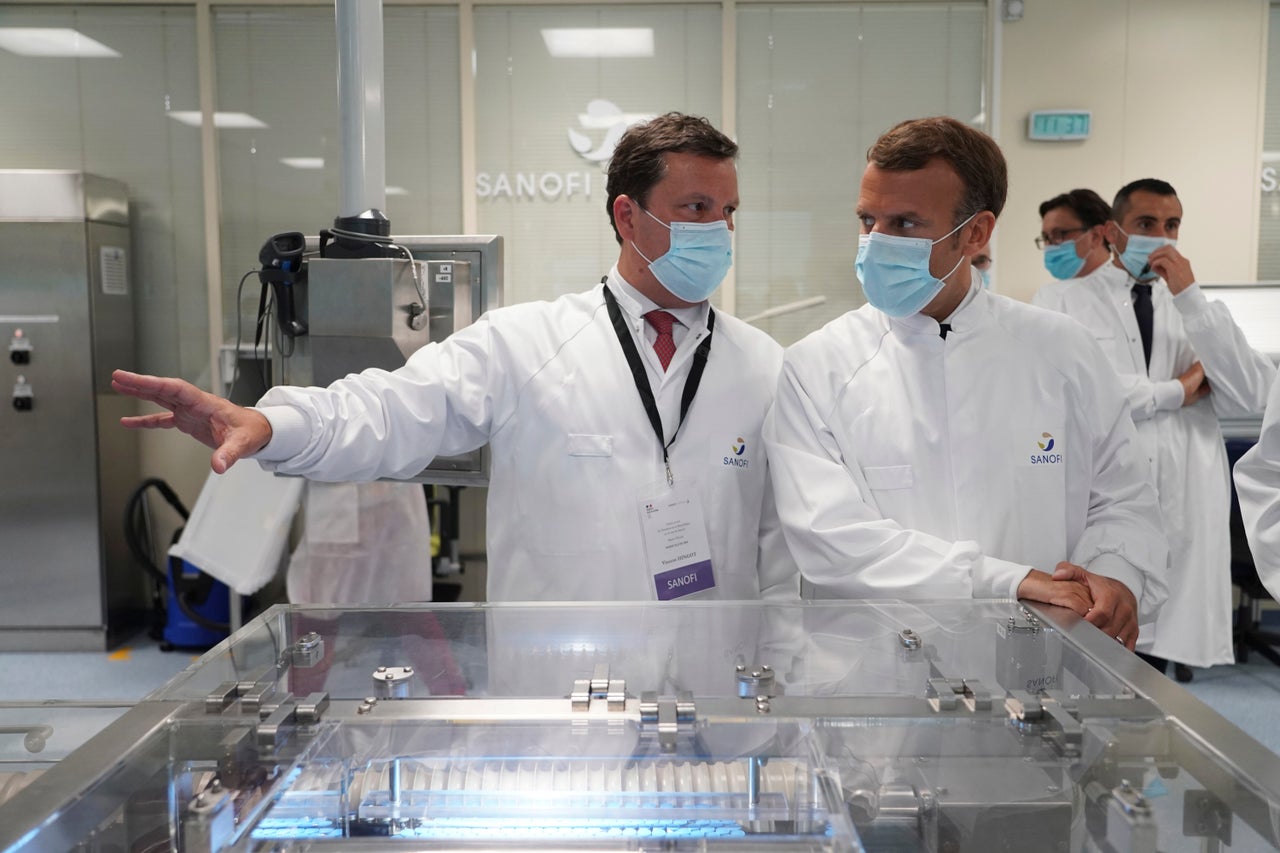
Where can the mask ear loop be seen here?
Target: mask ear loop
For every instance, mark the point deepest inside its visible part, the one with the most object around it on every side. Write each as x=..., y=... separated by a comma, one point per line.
x=655, y=219
x=948, y=234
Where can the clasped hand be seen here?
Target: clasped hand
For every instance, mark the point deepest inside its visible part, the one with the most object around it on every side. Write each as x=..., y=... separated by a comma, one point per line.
x=1102, y=601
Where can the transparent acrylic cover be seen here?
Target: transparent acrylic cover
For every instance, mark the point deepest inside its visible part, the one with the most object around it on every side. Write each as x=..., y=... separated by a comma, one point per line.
x=930, y=726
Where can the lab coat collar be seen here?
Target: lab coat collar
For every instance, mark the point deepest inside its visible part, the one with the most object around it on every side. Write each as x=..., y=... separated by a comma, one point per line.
x=967, y=316
x=635, y=304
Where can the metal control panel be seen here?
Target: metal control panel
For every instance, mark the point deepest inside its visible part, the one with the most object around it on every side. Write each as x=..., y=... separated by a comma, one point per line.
x=375, y=312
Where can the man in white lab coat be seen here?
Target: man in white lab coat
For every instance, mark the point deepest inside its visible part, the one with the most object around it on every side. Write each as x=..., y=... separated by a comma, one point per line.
x=1257, y=477
x=1073, y=238
x=624, y=421
x=943, y=441
x=1183, y=363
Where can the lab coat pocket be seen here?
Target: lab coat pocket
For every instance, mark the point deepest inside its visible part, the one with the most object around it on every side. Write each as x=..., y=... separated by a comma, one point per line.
x=1113, y=347
x=889, y=477
x=590, y=445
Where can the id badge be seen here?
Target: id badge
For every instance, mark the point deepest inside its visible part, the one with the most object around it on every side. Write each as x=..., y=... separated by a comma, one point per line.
x=675, y=541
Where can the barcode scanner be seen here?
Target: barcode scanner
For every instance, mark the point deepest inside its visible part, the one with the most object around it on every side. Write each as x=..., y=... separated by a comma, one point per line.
x=282, y=267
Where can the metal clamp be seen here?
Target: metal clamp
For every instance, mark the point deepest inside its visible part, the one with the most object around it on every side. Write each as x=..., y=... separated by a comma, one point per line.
x=308, y=651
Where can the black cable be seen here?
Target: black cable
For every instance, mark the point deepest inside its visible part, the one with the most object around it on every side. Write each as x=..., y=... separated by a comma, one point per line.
x=235, y=369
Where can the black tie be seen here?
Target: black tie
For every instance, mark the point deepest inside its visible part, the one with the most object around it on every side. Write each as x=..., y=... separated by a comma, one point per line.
x=943, y=328
x=1142, y=310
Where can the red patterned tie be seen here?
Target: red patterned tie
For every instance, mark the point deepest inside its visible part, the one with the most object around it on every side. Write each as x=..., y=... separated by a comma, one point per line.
x=664, y=345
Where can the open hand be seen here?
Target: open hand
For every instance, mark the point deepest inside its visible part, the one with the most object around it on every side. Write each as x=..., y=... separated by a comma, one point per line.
x=232, y=431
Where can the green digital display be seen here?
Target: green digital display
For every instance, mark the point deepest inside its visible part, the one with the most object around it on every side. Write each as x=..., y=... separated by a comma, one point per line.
x=1059, y=125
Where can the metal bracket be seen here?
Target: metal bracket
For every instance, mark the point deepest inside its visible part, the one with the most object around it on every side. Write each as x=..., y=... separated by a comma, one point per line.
x=308, y=651
x=1066, y=734
x=271, y=732
x=1205, y=816
x=667, y=716
x=222, y=698
x=613, y=691
x=1023, y=707
x=944, y=693
x=1130, y=823
x=210, y=822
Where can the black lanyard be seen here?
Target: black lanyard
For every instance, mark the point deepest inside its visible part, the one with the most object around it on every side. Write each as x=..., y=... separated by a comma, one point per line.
x=641, y=378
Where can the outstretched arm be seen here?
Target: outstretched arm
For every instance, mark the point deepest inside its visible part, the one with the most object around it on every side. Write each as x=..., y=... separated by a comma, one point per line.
x=233, y=432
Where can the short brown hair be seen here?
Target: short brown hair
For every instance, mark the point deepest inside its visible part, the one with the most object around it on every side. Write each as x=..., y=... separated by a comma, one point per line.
x=974, y=156
x=1087, y=205
x=638, y=161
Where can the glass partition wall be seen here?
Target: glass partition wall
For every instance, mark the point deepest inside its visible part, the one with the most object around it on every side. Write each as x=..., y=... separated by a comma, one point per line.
x=534, y=96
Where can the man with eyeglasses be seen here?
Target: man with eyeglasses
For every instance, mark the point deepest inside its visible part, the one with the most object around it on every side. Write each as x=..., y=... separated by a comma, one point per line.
x=1072, y=239
x=1183, y=363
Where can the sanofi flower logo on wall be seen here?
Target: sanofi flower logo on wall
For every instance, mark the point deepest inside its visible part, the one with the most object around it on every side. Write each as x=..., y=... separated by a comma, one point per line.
x=592, y=138
x=606, y=115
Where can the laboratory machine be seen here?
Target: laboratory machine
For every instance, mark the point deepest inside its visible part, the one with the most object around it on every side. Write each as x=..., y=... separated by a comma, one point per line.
x=863, y=725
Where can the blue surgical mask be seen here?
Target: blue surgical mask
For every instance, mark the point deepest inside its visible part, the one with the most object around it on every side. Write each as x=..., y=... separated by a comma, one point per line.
x=984, y=276
x=697, y=260
x=1061, y=260
x=894, y=271
x=1138, y=250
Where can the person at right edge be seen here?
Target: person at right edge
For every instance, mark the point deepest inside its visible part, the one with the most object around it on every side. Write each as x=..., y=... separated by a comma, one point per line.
x=944, y=441
x=1183, y=363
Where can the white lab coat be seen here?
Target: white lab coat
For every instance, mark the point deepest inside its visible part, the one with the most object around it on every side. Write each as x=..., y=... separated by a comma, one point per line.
x=1184, y=445
x=909, y=466
x=362, y=543
x=1258, y=487
x=547, y=386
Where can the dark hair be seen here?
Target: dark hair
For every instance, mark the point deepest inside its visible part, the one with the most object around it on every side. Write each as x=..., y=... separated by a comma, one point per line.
x=639, y=161
x=1120, y=206
x=1087, y=205
x=974, y=156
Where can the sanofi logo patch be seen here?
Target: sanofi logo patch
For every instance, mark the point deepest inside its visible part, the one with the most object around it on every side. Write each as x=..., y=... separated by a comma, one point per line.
x=1046, y=456
x=737, y=456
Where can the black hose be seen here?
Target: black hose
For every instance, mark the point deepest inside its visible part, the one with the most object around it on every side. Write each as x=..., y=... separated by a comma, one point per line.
x=184, y=592
x=134, y=523
x=199, y=589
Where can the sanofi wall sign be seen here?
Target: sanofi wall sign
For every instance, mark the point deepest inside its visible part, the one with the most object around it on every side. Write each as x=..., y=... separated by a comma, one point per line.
x=593, y=140
x=1270, y=175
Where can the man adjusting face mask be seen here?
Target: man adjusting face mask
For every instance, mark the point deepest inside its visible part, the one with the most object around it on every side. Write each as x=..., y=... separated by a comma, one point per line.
x=894, y=271
x=1138, y=250
x=697, y=260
